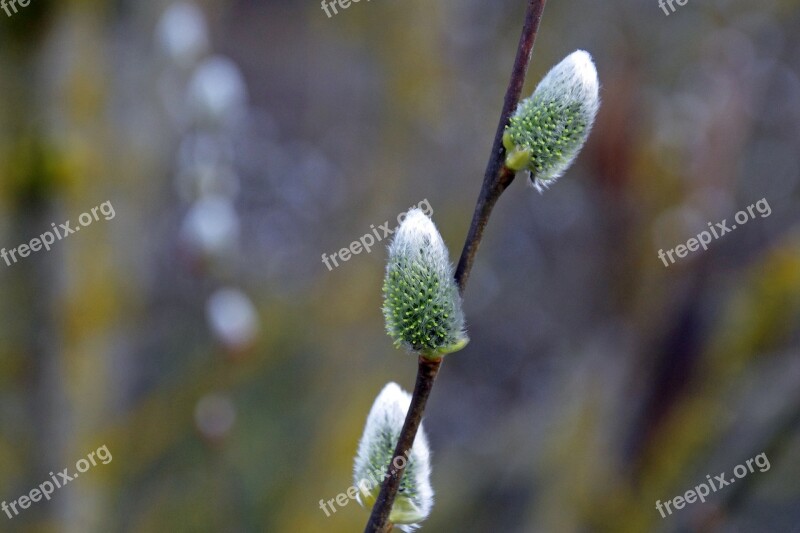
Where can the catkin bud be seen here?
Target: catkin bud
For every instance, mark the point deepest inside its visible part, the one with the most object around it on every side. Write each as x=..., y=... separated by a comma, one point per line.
x=422, y=305
x=549, y=128
x=385, y=420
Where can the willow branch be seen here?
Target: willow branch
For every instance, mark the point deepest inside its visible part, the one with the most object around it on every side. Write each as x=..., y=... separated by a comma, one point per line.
x=496, y=179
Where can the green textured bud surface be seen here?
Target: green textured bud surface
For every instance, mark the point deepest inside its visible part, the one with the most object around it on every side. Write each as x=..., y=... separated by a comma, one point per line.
x=422, y=306
x=549, y=128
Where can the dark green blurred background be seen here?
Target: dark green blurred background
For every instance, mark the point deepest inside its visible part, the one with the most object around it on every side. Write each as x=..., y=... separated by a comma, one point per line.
x=199, y=336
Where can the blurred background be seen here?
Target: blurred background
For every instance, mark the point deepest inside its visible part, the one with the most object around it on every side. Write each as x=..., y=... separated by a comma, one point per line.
x=200, y=337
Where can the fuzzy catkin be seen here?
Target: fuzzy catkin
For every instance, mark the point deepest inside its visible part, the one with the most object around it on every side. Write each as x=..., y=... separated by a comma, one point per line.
x=422, y=305
x=548, y=129
x=414, y=498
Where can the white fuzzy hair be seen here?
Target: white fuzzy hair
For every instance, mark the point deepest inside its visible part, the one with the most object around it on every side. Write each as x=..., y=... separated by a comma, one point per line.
x=384, y=423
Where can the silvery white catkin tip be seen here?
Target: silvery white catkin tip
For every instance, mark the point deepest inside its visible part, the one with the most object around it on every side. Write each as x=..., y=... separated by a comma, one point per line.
x=422, y=305
x=376, y=449
x=549, y=128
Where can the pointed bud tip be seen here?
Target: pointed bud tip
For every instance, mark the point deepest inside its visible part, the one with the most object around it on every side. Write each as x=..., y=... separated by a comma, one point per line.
x=583, y=77
x=417, y=223
x=584, y=66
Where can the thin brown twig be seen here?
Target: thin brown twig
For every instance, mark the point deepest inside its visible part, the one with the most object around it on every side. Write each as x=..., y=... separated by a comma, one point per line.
x=496, y=179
